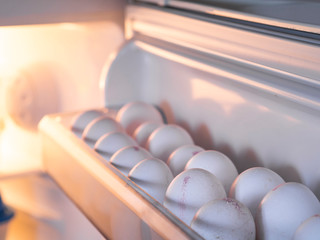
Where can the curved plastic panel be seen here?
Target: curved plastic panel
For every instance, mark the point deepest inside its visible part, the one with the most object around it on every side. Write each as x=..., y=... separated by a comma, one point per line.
x=258, y=107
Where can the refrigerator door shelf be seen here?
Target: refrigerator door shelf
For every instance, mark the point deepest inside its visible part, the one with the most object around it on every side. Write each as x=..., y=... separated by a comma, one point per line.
x=113, y=203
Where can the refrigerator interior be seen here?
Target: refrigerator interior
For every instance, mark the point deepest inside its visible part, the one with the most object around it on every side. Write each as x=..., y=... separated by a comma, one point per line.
x=250, y=93
x=51, y=57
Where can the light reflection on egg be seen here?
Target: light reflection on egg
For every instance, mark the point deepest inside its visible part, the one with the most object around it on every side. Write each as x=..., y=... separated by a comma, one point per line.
x=133, y=114
x=153, y=176
x=309, y=229
x=190, y=190
x=179, y=158
x=98, y=127
x=283, y=209
x=109, y=143
x=81, y=120
x=126, y=158
x=226, y=219
x=143, y=131
x=218, y=164
x=167, y=138
x=252, y=185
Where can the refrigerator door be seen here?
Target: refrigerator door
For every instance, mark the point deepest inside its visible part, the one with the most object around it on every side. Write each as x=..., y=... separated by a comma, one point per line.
x=235, y=88
x=251, y=95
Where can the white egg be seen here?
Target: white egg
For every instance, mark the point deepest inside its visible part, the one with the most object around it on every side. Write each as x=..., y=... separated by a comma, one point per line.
x=142, y=133
x=218, y=164
x=226, y=219
x=308, y=229
x=80, y=121
x=190, y=190
x=252, y=185
x=283, y=209
x=179, y=158
x=153, y=176
x=126, y=158
x=167, y=138
x=98, y=127
x=109, y=143
x=132, y=114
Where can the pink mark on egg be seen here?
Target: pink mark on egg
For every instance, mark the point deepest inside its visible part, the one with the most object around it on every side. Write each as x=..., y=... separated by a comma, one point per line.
x=185, y=181
x=195, y=153
x=182, y=202
x=233, y=202
x=136, y=148
x=275, y=188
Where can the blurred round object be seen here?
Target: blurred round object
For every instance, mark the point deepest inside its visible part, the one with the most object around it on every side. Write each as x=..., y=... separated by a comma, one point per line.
x=167, y=138
x=31, y=94
x=81, y=120
x=142, y=133
x=98, y=127
x=252, y=185
x=190, y=190
x=126, y=158
x=153, y=176
x=218, y=164
x=308, y=229
x=226, y=219
x=283, y=209
x=111, y=142
x=179, y=157
x=132, y=114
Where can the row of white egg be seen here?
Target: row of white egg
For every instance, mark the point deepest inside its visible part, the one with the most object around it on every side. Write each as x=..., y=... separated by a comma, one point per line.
x=193, y=183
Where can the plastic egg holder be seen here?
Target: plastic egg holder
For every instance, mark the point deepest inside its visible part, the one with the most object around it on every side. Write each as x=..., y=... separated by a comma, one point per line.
x=167, y=138
x=166, y=200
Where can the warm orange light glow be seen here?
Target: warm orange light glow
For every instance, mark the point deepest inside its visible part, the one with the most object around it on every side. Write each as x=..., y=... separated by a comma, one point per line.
x=71, y=26
x=20, y=150
x=21, y=45
x=74, y=54
x=202, y=89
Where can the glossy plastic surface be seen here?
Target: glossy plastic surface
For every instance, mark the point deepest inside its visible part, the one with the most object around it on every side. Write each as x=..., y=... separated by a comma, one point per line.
x=117, y=207
x=251, y=96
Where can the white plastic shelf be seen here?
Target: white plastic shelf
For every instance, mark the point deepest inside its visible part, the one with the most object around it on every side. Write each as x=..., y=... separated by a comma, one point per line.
x=113, y=203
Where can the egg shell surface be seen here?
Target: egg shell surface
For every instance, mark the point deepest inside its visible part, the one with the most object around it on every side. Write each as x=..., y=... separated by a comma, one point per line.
x=98, y=127
x=283, y=209
x=111, y=142
x=81, y=120
x=226, y=219
x=309, y=229
x=132, y=114
x=143, y=131
x=179, y=157
x=218, y=164
x=153, y=176
x=167, y=138
x=190, y=190
x=252, y=185
x=126, y=158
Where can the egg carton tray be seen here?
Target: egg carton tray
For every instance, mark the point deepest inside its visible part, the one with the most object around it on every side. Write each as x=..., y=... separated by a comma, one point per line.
x=117, y=207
